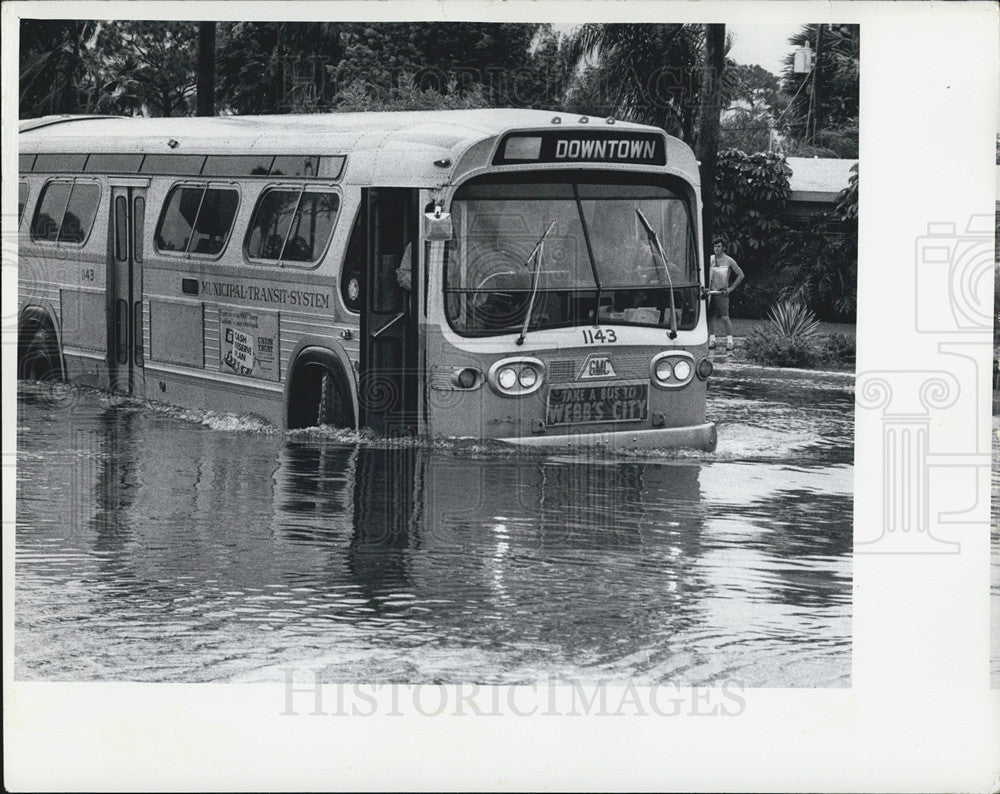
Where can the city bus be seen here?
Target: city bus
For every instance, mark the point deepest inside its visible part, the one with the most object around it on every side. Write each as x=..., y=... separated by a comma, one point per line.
x=519, y=275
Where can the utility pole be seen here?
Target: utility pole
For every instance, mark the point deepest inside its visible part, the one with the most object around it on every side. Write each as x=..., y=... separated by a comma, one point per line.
x=708, y=126
x=206, y=68
x=817, y=105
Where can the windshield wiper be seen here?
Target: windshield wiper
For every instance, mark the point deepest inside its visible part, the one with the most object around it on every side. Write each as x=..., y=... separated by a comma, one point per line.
x=537, y=253
x=590, y=250
x=655, y=247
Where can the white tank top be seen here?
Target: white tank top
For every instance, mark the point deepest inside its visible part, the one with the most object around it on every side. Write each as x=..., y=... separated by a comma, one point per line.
x=719, y=278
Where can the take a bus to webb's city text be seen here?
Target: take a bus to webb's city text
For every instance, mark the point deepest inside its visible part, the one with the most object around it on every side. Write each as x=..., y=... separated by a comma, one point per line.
x=508, y=274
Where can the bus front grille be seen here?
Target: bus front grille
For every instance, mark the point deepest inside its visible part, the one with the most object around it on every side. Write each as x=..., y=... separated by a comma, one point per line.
x=628, y=366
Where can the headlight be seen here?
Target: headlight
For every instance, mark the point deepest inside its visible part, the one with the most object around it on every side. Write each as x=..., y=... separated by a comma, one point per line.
x=705, y=368
x=682, y=369
x=516, y=377
x=671, y=369
x=507, y=378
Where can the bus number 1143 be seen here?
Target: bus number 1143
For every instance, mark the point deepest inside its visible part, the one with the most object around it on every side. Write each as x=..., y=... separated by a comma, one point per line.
x=598, y=337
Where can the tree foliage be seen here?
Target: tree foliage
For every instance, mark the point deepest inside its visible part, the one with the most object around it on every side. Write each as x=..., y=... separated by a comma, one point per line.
x=267, y=67
x=820, y=268
x=127, y=67
x=361, y=95
x=149, y=68
x=839, y=67
x=645, y=73
x=309, y=67
x=750, y=195
x=753, y=107
x=154, y=66
x=747, y=129
x=847, y=200
x=751, y=191
x=57, y=73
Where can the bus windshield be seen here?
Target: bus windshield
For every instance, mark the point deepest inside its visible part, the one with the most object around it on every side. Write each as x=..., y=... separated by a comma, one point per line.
x=595, y=264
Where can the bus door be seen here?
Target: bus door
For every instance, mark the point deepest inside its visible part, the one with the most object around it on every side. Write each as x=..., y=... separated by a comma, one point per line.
x=125, y=350
x=389, y=380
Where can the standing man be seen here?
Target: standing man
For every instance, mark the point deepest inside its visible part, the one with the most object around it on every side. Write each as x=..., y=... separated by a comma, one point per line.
x=722, y=268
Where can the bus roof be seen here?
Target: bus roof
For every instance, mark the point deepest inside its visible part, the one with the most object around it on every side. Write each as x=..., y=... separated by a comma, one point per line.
x=382, y=148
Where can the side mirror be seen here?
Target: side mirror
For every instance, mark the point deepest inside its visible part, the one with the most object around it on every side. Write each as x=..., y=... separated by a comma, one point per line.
x=437, y=226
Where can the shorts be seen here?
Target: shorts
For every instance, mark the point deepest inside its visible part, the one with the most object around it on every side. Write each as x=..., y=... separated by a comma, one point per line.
x=719, y=307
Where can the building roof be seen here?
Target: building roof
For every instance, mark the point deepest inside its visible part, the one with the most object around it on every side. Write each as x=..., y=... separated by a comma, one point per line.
x=818, y=178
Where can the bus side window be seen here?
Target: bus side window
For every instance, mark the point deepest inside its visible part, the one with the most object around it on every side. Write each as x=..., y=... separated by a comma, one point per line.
x=196, y=219
x=80, y=213
x=292, y=225
x=66, y=212
x=354, y=262
x=215, y=219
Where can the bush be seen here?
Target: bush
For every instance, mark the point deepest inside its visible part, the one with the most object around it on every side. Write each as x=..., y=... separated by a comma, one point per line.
x=821, y=264
x=772, y=350
x=840, y=349
x=792, y=320
x=789, y=339
x=750, y=300
x=765, y=346
x=751, y=191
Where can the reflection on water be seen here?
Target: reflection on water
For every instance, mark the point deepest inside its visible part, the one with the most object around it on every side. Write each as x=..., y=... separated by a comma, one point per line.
x=151, y=547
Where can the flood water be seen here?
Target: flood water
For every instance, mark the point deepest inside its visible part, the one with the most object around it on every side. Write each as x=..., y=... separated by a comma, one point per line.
x=155, y=544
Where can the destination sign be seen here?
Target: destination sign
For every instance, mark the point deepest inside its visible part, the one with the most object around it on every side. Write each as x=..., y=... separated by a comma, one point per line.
x=584, y=404
x=598, y=146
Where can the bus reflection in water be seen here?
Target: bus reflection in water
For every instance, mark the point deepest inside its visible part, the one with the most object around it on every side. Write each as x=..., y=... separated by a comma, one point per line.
x=418, y=512
x=510, y=274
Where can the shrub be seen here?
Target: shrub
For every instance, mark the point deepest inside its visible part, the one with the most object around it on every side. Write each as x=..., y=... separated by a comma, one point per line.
x=772, y=350
x=751, y=191
x=791, y=319
x=788, y=338
x=751, y=299
x=820, y=261
x=840, y=349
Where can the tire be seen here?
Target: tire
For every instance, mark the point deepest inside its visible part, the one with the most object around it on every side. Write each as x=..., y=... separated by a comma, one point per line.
x=317, y=396
x=328, y=412
x=41, y=359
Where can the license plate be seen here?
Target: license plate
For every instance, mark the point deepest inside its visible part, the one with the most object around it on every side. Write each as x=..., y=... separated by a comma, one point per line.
x=570, y=405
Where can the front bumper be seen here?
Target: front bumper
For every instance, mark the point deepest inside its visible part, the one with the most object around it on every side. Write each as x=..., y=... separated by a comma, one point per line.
x=703, y=437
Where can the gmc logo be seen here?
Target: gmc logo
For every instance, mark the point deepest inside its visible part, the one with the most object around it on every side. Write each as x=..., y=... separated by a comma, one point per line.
x=597, y=367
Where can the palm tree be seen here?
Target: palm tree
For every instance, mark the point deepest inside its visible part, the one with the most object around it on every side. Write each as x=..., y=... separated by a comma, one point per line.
x=653, y=74
x=53, y=66
x=646, y=73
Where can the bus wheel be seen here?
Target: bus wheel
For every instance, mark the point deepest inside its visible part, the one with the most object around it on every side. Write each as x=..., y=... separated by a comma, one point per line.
x=40, y=359
x=327, y=413
x=318, y=397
